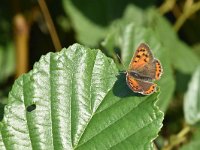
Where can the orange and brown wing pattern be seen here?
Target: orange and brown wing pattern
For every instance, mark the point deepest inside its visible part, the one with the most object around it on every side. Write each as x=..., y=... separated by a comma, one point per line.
x=151, y=89
x=159, y=69
x=143, y=69
x=152, y=70
x=139, y=86
x=133, y=84
x=141, y=57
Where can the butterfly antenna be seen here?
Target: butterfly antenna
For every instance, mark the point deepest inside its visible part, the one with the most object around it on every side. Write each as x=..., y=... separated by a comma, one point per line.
x=122, y=64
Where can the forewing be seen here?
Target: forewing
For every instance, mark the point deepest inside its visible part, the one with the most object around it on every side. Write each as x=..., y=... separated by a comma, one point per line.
x=141, y=57
x=144, y=64
x=152, y=70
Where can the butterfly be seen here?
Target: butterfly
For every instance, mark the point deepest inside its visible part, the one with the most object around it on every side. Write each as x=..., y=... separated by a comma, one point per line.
x=143, y=70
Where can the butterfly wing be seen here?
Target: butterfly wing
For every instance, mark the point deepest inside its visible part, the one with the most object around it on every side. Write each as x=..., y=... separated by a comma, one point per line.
x=152, y=70
x=139, y=86
x=141, y=57
x=133, y=84
x=159, y=69
x=144, y=63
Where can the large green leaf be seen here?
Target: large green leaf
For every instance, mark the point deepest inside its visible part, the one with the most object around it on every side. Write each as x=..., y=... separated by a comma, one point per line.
x=69, y=101
x=192, y=99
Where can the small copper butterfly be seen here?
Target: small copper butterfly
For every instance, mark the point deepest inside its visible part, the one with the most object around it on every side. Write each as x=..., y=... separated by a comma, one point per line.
x=143, y=70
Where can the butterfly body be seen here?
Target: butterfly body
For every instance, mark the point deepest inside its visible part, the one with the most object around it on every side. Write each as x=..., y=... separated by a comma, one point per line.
x=143, y=70
x=139, y=76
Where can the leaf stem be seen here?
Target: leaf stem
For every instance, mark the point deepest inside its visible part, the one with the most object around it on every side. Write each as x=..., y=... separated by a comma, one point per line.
x=189, y=9
x=50, y=25
x=21, y=35
x=167, y=6
x=176, y=140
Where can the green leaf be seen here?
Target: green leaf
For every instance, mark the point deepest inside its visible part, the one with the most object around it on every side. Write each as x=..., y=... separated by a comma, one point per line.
x=87, y=31
x=7, y=61
x=91, y=20
x=192, y=99
x=197, y=49
x=129, y=37
x=2, y=146
x=185, y=58
x=73, y=100
x=193, y=145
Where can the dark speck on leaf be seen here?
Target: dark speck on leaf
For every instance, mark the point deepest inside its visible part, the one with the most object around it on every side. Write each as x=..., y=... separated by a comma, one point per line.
x=30, y=108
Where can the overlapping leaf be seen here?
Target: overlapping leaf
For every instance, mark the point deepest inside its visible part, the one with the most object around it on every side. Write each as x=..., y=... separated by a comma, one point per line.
x=91, y=20
x=192, y=100
x=7, y=61
x=69, y=101
x=181, y=55
x=129, y=37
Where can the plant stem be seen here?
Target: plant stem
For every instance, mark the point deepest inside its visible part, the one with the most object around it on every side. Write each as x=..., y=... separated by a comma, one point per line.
x=176, y=140
x=21, y=34
x=190, y=8
x=50, y=25
x=167, y=6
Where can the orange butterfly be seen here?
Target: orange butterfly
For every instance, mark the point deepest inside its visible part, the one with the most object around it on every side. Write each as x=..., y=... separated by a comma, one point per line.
x=143, y=70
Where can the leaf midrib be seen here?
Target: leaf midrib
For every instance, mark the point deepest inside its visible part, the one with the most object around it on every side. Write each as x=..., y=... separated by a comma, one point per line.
x=51, y=100
x=92, y=113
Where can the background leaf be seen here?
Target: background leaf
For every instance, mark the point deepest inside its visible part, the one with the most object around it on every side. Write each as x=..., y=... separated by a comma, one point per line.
x=192, y=99
x=7, y=61
x=129, y=37
x=74, y=105
x=186, y=60
x=91, y=20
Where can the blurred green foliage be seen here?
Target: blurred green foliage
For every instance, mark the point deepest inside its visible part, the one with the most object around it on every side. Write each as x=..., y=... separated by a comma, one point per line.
x=117, y=27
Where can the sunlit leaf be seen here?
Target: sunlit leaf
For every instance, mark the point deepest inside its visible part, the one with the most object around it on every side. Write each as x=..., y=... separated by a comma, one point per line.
x=73, y=100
